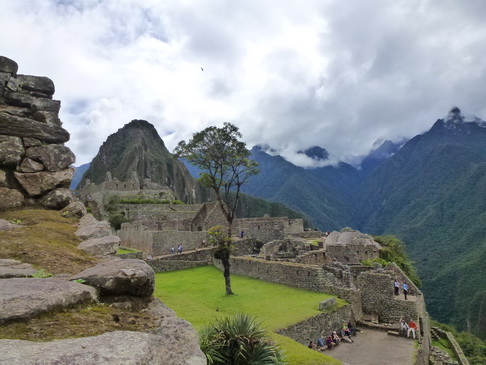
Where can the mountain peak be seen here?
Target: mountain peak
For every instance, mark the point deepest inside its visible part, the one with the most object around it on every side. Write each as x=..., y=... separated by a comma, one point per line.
x=316, y=153
x=454, y=116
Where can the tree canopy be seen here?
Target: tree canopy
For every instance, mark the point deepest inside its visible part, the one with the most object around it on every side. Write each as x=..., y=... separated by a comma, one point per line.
x=224, y=160
x=226, y=165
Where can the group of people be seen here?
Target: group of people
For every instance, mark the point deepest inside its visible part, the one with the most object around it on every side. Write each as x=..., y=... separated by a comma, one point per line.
x=331, y=341
x=407, y=328
x=179, y=249
x=405, y=288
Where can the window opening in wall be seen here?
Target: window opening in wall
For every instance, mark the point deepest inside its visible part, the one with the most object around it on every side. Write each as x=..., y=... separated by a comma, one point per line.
x=421, y=325
x=308, y=273
x=258, y=227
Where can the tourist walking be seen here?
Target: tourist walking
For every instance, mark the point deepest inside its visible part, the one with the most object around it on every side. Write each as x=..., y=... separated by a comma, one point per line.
x=179, y=248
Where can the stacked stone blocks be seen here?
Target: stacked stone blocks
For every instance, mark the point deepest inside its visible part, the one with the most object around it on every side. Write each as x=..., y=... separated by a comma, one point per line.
x=34, y=163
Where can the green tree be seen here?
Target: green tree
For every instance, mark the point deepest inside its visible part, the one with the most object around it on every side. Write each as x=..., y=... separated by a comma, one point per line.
x=226, y=165
x=393, y=250
x=238, y=340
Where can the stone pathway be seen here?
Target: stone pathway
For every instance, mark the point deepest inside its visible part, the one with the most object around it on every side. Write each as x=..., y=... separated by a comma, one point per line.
x=375, y=347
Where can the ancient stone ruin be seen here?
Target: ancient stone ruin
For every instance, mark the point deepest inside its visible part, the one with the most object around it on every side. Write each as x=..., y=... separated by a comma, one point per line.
x=34, y=163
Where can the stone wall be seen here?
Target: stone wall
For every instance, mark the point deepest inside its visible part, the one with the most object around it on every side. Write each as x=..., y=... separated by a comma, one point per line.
x=34, y=163
x=168, y=265
x=318, y=257
x=320, y=325
x=353, y=253
x=296, y=275
x=378, y=298
x=164, y=240
x=269, y=228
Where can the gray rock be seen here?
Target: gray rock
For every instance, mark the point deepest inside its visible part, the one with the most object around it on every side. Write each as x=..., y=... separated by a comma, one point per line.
x=90, y=227
x=326, y=304
x=29, y=165
x=3, y=179
x=6, y=225
x=75, y=209
x=8, y=65
x=50, y=118
x=10, y=198
x=27, y=298
x=120, y=277
x=101, y=246
x=38, y=183
x=15, y=268
x=57, y=199
x=117, y=348
x=11, y=151
x=31, y=142
x=12, y=125
x=36, y=84
x=53, y=156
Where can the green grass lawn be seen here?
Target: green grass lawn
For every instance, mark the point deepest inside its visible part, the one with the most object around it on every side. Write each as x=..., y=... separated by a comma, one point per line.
x=198, y=295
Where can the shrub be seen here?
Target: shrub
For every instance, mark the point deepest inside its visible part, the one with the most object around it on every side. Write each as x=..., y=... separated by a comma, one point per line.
x=238, y=340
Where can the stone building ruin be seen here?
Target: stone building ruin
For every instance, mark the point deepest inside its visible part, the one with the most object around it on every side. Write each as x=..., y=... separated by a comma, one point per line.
x=34, y=163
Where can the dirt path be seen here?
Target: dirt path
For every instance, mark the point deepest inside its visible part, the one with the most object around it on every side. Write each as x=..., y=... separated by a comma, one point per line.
x=374, y=347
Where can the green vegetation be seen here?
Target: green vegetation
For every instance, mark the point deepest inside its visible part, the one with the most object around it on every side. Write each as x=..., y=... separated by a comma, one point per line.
x=473, y=347
x=123, y=250
x=445, y=346
x=41, y=273
x=225, y=166
x=393, y=250
x=196, y=296
x=238, y=340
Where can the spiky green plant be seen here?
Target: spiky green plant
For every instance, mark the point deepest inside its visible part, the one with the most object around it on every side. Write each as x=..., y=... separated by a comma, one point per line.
x=238, y=340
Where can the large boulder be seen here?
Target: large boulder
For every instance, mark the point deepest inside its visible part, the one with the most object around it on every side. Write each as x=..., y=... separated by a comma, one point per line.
x=90, y=227
x=11, y=151
x=26, y=298
x=10, y=198
x=53, y=156
x=38, y=183
x=37, y=84
x=101, y=246
x=117, y=348
x=12, y=125
x=15, y=269
x=57, y=199
x=120, y=277
x=8, y=66
x=75, y=209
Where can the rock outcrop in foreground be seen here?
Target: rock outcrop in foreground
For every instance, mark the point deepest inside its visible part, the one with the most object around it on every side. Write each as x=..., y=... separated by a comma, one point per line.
x=34, y=163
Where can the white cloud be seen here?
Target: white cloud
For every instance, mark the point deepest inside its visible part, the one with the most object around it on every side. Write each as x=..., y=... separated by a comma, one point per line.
x=290, y=74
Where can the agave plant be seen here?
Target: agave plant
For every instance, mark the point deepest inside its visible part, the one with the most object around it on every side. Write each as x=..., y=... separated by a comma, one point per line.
x=238, y=340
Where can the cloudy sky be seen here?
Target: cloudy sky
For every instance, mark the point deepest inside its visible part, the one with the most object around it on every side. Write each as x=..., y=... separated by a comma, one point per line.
x=290, y=74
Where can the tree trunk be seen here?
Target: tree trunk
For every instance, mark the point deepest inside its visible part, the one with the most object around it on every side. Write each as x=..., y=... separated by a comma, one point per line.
x=226, y=273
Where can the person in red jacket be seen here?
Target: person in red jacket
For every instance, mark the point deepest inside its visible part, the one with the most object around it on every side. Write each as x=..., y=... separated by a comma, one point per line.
x=412, y=327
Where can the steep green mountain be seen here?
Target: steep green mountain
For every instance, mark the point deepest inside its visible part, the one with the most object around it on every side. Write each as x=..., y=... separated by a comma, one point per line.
x=431, y=194
x=138, y=148
x=318, y=193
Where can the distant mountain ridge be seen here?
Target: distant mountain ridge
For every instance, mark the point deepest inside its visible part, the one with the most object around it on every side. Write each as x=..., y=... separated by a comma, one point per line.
x=430, y=192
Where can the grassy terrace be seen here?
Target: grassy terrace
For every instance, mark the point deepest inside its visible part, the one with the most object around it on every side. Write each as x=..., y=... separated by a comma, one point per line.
x=198, y=296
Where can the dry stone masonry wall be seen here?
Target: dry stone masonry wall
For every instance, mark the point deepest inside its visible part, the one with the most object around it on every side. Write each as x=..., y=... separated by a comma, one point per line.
x=34, y=163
